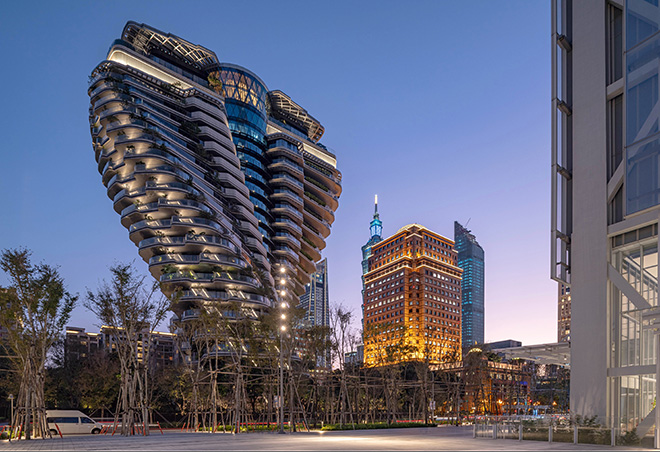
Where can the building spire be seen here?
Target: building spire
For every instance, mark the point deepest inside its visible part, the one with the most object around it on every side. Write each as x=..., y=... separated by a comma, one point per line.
x=376, y=226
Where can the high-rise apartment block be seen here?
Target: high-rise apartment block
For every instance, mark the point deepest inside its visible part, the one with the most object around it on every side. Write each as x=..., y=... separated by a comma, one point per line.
x=80, y=345
x=412, y=299
x=606, y=202
x=564, y=313
x=221, y=182
x=316, y=299
x=471, y=260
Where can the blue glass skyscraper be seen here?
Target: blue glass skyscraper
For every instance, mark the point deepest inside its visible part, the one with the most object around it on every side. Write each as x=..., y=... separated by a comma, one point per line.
x=471, y=260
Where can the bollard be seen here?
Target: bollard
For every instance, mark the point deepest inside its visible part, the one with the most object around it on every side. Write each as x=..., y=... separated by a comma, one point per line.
x=474, y=429
x=495, y=430
x=613, y=437
x=520, y=431
x=575, y=433
x=550, y=433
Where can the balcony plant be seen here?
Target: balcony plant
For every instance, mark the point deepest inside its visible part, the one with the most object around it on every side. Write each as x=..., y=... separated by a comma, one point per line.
x=215, y=83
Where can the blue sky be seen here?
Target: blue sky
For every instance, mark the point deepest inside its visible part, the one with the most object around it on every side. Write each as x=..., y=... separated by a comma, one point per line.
x=440, y=107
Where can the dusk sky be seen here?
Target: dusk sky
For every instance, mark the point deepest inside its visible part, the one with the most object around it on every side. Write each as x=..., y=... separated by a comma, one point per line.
x=442, y=108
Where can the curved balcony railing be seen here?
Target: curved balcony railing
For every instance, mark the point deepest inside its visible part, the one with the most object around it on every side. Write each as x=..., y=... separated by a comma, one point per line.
x=196, y=259
x=278, y=177
x=214, y=276
x=282, y=191
x=222, y=295
x=286, y=222
x=172, y=203
x=287, y=163
x=181, y=240
x=288, y=209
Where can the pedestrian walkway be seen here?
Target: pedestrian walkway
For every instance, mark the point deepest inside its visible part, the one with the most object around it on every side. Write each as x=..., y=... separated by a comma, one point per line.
x=438, y=438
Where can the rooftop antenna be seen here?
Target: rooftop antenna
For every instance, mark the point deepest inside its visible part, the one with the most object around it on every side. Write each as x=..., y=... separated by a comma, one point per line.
x=468, y=222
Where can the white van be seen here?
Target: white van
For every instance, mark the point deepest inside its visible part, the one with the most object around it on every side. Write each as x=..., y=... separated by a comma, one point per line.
x=71, y=422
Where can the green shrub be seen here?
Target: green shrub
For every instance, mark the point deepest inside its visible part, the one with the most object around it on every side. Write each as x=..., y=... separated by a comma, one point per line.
x=376, y=425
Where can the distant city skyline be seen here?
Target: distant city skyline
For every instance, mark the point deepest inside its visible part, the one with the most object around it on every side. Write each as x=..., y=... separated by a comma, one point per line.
x=423, y=124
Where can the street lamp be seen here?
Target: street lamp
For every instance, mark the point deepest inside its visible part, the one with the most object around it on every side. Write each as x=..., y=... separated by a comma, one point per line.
x=282, y=330
x=11, y=419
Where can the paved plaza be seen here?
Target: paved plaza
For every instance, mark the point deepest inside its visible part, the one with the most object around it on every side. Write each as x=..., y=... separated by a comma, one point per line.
x=440, y=438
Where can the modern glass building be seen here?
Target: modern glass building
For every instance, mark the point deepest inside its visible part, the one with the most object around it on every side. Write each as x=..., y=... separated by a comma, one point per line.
x=223, y=185
x=471, y=260
x=316, y=299
x=606, y=203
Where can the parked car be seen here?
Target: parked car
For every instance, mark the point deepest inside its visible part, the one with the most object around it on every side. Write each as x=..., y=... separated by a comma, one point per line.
x=71, y=422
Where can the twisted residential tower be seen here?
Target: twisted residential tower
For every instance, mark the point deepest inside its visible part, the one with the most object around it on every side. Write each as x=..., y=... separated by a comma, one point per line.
x=220, y=182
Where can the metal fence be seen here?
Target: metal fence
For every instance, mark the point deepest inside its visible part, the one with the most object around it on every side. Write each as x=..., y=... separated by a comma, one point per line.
x=550, y=429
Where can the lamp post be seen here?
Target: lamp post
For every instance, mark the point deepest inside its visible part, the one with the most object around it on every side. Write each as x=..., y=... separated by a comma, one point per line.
x=281, y=391
x=11, y=419
x=282, y=329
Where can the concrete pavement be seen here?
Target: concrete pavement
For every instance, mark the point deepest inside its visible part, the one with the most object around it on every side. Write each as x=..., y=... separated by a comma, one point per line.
x=425, y=439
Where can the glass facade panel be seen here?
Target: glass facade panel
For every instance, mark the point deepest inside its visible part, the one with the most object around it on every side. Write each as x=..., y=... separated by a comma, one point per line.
x=642, y=181
x=636, y=397
x=642, y=91
x=643, y=17
x=633, y=346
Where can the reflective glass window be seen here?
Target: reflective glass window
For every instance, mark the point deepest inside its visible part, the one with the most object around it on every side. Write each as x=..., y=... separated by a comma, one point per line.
x=642, y=91
x=642, y=19
x=642, y=182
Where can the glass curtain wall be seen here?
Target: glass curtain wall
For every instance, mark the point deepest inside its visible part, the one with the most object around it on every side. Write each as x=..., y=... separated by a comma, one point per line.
x=631, y=344
x=642, y=106
x=245, y=101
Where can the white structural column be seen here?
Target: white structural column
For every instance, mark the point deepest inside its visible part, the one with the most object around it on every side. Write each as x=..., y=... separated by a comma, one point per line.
x=589, y=245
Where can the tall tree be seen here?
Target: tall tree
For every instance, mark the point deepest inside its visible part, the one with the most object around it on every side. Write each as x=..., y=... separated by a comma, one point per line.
x=34, y=309
x=131, y=309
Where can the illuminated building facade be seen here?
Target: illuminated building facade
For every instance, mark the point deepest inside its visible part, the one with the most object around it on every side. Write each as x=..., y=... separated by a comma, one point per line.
x=220, y=182
x=564, y=313
x=491, y=387
x=471, y=260
x=412, y=299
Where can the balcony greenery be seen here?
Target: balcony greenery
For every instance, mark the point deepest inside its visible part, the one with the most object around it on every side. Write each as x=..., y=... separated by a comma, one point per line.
x=317, y=183
x=313, y=197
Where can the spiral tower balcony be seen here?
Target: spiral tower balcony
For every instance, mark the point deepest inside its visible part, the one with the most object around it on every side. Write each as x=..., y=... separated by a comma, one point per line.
x=165, y=154
x=306, y=187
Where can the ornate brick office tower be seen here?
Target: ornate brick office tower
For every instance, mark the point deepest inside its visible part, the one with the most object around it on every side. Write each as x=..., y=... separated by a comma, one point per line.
x=412, y=299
